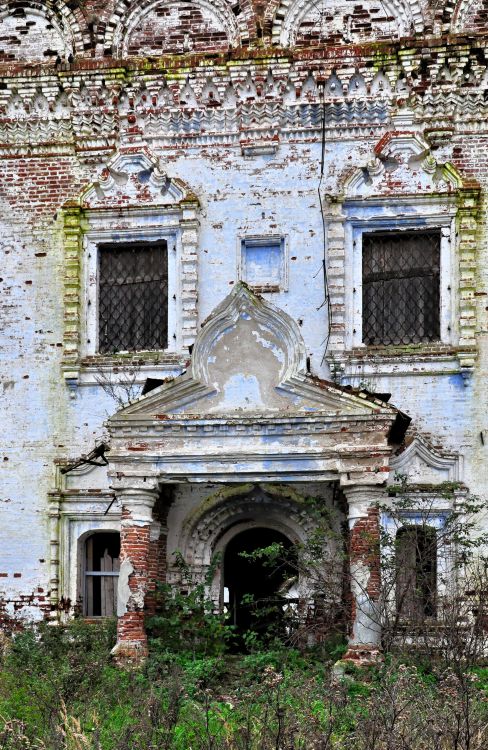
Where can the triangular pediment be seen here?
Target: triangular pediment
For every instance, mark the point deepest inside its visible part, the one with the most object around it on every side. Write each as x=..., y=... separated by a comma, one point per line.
x=401, y=163
x=420, y=463
x=134, y=177
x=249, y=358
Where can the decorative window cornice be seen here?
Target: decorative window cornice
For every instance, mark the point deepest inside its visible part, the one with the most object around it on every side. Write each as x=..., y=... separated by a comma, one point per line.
x=402, y=186
x=133, y=199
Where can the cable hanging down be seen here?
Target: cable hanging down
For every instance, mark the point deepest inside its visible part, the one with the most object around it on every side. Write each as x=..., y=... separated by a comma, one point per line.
x=326, y=302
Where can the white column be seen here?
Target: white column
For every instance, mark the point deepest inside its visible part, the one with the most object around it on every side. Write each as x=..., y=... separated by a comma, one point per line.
x=365, y=573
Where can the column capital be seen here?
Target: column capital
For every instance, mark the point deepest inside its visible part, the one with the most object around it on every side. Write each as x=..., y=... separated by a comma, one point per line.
x=137, y=499
x=123, y=483
x=360, y=497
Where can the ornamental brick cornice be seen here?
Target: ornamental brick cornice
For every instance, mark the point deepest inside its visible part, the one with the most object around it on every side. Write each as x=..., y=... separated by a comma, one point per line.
x=240, y=100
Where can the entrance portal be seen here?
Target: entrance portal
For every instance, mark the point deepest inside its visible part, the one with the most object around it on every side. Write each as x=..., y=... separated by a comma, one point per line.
x=257, y=586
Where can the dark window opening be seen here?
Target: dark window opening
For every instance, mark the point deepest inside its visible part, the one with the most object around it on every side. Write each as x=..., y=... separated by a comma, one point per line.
x=133, y=296
x=401, y=296
x=416, y=573
x=258, y=589
x=102, y=552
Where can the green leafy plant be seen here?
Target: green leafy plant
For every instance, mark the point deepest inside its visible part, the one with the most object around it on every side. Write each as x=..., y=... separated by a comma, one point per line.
x=187, y=620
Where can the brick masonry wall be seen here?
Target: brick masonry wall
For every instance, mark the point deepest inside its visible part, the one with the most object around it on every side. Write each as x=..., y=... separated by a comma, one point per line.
x=177, y=28
x=158, y=563
x=47, y=160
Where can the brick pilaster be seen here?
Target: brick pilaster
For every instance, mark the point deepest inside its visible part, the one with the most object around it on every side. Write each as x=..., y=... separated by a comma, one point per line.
x=135, y=573
x=365, y=574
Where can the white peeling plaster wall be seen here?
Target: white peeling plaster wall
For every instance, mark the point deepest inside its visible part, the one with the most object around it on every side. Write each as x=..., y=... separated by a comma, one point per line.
x=262, y=195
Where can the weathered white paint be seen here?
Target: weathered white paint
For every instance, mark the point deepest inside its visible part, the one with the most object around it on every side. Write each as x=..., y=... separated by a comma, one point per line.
x=239, y=197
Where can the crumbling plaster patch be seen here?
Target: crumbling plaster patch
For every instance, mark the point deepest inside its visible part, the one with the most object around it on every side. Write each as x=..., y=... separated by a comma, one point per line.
x=124, y=592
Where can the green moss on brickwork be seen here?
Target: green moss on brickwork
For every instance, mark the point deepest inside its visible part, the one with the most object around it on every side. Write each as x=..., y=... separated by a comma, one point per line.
x=444, y=489
x=72, y=225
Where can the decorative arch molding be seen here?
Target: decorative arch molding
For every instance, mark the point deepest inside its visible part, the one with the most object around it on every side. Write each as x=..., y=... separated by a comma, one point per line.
x=132, y=187
x=227, y=314
x=407, y=155
x=421, y=463
x=464, y=14
x=134, y=176
x=68, y=24
x=122, y=24
x=275, y=506
x=283, y=18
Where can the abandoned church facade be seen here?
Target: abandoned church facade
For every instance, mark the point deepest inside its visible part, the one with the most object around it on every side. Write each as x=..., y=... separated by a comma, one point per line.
x=243, y=265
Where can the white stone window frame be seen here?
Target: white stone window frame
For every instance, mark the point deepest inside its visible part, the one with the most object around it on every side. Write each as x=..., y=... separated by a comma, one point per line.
x=365, y=218
x=92, y=241
x=435, y=518
x=75, y=516
x=257, y=240
x=136, y=225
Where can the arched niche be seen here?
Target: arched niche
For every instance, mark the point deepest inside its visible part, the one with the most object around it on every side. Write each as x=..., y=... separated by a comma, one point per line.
x=470, y=15
x=233, y=509
x=39, y=32
x=158, y=27
x=304, y=23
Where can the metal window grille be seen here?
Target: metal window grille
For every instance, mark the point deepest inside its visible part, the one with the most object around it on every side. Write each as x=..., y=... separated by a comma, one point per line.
x=401, y=287
x=133, y=296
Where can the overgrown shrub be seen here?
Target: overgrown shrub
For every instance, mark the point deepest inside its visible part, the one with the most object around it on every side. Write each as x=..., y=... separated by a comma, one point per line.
x=59, y=691
x=187, y=620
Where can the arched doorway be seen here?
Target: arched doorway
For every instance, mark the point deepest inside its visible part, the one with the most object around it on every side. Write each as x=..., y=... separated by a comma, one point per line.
x=260, y=574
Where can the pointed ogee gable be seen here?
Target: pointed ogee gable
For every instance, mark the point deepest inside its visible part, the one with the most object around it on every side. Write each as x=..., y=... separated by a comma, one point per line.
x=247, y=409
x=249, y=357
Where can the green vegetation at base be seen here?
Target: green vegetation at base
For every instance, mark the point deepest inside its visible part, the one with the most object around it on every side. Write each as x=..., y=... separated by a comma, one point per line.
x=60, y=691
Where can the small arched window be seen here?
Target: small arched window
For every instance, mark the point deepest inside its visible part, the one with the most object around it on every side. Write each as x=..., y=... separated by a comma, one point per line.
x=416, y=573
x=101, y=572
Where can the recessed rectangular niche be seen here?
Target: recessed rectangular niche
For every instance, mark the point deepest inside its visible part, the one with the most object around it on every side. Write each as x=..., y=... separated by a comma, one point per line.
x=262, y=263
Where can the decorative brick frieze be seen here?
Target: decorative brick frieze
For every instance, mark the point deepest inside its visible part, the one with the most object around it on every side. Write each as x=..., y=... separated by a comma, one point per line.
x=289, y=102
x=241, y=101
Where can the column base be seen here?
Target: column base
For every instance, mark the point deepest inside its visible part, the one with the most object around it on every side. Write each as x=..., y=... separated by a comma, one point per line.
x=129, y=653
x=360, y=656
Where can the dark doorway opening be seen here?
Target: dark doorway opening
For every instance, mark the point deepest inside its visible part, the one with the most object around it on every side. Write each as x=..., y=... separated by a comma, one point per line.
x=258, y=587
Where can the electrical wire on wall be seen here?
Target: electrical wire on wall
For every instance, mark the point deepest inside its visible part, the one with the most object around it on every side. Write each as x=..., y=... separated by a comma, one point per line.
x=326, y=302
